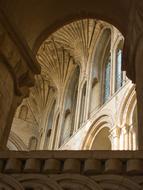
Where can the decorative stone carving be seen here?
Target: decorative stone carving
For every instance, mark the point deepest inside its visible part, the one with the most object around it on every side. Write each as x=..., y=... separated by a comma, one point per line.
x=88, y=178
x=115, y=132
x=113, y=182
x=9, y=183
x=68, y=181
x=37, y=182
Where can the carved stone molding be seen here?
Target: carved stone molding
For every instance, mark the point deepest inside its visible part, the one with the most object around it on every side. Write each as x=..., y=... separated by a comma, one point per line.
x=115, y=132
x=60, y=170
x=69, y=181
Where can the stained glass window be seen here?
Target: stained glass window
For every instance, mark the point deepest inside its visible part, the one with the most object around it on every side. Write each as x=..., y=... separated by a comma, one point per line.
x=119, y=73
x=107, y=79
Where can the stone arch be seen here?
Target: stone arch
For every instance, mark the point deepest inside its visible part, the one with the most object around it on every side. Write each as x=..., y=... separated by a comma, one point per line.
x=9, y=183
x=113, y=182
x=101, y=139
x=97, y=60
x=40, y=181
x=100, y=52
x=125, y=121
x=98, y=11
x=101, y=122
x=117, y=42
x=15, y=142
x=69, y=181
x=127, y=107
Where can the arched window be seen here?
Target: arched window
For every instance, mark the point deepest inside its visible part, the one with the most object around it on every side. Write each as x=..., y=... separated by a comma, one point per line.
x=107, y=78
x=23, y=112
x=119, y=73
x=33, y=143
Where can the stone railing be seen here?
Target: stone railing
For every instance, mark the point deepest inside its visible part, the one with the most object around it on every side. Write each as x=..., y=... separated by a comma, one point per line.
x=86, y=170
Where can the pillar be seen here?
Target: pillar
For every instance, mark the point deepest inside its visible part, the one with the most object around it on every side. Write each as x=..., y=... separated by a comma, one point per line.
x=125, y=130
x=17, y=70
x=115, y=137
x=139, y=91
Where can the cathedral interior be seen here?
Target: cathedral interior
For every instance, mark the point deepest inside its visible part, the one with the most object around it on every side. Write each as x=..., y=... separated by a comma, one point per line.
x=71, y=95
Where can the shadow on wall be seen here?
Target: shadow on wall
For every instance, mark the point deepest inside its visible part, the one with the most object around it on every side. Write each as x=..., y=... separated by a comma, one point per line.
x=102, y=141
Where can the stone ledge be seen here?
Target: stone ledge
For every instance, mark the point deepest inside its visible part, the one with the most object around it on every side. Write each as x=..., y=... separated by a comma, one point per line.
x=79, y=154
x=75, y=162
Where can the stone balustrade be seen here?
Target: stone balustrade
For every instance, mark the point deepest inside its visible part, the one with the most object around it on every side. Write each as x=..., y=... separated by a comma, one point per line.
x=71, y=170
x=76, y=162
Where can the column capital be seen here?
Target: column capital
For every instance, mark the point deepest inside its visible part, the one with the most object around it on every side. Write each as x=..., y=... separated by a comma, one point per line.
x=125, y=128
x=115, y=132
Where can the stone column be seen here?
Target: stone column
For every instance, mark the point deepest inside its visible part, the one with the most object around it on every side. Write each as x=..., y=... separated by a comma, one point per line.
x=88, y=94
x=134, y=140
x=133, y=57
x=78, y=106
x=125, y=129
x=139, y=91
x=17, y=70
x=115, y=137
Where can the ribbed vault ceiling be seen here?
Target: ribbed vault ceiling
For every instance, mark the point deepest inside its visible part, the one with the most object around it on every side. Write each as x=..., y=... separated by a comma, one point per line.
x=58, y=56
x=70, y=45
